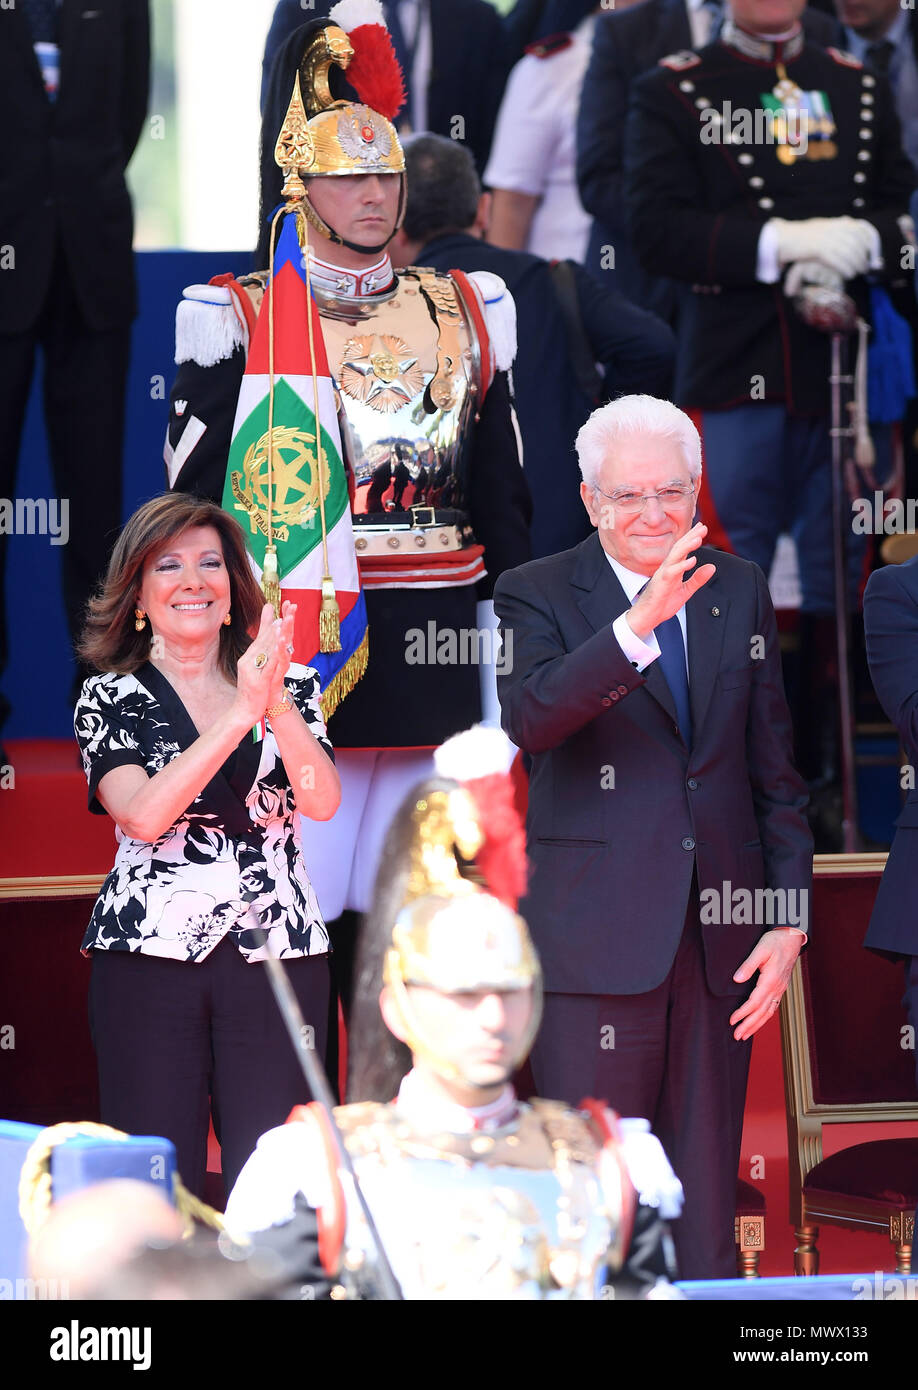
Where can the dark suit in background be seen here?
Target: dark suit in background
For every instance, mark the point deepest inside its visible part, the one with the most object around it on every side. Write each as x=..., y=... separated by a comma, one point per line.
x=635, y=349
x=469, y=64
x=66, y=214
x=891, y=631
x=626, y=826
x=895, y=55
x=624, y=46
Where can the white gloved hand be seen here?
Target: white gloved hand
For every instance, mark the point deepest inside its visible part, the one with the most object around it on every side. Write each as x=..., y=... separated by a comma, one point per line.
x=844, y=244
x=811, y=273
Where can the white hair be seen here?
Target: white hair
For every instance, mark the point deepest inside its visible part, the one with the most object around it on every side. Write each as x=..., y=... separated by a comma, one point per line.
x=630, y=416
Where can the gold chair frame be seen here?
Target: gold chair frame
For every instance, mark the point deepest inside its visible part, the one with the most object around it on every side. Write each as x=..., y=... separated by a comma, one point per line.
x=805, y=1118
x=60, y=886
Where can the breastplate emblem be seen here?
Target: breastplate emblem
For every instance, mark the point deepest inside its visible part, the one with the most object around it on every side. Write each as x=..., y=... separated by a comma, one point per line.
x=381, y=371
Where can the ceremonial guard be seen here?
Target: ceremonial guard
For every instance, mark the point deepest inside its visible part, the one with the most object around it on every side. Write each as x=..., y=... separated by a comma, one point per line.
x=418, y=363
x=755, y=167
x=473, y=1194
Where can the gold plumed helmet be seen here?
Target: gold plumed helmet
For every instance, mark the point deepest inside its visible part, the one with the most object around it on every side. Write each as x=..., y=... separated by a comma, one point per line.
x=324, y=137
x=458, y=930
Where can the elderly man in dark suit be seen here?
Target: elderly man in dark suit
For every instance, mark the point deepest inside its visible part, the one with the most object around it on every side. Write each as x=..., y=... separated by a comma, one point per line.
x=73, y=96
x=671, y=858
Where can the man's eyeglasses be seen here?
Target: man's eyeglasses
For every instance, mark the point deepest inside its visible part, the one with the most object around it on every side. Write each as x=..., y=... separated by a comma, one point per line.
x=630, y=503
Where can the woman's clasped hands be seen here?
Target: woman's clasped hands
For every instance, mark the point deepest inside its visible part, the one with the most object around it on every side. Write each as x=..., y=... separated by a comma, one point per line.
x=262, y=667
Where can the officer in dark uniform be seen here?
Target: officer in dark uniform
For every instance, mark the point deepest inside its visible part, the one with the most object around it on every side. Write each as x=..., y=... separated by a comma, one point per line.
x=753, y=166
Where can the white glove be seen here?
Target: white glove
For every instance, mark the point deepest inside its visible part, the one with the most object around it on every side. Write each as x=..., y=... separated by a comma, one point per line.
x=811, y=273
x=845, y=244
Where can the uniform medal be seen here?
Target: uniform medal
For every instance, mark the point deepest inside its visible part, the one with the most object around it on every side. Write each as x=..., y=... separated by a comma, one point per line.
x=802, y=121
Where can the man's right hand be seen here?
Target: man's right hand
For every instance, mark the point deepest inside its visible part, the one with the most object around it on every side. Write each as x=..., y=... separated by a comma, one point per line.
x=666, y=591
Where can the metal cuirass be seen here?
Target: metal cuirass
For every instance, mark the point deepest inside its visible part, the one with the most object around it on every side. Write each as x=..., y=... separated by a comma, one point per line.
x=526, y=1211
x=407, y=370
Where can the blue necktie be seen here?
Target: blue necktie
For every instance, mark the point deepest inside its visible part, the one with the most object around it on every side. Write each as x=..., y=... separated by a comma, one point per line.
x=672, y=660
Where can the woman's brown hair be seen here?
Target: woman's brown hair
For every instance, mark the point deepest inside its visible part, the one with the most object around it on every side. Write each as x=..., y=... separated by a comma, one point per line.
x=110, y=641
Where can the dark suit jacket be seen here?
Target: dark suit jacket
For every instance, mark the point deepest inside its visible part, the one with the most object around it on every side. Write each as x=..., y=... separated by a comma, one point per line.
x=469, y=65
x=612, y=867
x=62, y=164
x=624, y=46
x=891, y=630
x=635, y=349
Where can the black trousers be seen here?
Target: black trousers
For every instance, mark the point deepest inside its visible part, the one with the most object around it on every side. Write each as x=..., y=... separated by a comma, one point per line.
x=85, y=376
x=670, y=1057
x=171, y=1037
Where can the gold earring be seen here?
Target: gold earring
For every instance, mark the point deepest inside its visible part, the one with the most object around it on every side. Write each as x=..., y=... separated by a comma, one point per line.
x=140, y=619
x=227, y=620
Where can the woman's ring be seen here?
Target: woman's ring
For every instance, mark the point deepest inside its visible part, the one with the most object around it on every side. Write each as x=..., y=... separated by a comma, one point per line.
x=290, y=649
x=261, y=660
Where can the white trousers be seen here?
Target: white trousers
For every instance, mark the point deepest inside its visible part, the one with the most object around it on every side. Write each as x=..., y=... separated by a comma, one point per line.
x=343, y=854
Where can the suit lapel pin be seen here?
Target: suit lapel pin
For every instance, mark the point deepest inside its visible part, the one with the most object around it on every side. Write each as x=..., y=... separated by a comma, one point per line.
x=715, y=612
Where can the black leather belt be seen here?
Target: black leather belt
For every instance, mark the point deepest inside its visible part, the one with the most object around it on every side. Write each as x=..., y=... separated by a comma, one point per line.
x=417, y=516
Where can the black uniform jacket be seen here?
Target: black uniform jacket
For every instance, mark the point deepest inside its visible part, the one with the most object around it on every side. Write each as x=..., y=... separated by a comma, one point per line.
x=627, y=43
x=697, y=210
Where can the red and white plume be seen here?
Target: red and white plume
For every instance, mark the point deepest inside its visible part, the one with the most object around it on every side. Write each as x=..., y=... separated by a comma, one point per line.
x=374, y=70
x=478, y=760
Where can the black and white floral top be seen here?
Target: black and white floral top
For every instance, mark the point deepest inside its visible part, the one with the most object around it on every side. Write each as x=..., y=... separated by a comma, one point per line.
x=231, y=863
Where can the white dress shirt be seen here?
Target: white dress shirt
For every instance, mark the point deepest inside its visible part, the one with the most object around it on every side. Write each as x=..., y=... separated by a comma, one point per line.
x=638, y=652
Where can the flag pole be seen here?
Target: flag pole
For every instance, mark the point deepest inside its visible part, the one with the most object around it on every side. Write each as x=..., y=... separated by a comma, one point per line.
x=316, y=1080
x=329, y=611
x=270, y=575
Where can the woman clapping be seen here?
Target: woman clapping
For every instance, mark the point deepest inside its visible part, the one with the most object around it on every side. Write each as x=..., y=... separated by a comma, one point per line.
x=202, y=745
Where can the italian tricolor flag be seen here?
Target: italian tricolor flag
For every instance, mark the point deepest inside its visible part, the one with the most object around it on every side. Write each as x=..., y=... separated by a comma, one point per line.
x=298, y=484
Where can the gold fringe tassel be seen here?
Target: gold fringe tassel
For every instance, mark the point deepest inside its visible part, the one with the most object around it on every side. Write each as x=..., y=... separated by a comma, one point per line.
x=190, y=1208
x=329, y=618
x=344, y=681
